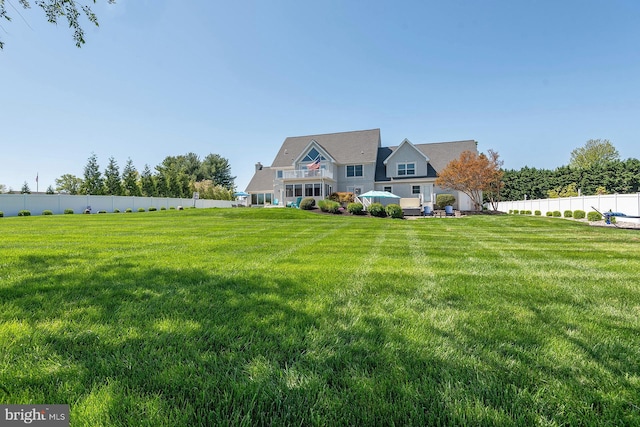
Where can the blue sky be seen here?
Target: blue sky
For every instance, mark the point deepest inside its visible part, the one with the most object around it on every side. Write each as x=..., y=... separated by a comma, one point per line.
x=531, y=80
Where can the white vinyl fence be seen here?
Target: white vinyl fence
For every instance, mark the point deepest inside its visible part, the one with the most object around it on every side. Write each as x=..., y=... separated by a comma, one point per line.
x=11, y=204
x=628, y=204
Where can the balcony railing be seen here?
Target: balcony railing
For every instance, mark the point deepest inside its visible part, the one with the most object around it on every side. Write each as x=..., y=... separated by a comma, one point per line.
x=303, y=173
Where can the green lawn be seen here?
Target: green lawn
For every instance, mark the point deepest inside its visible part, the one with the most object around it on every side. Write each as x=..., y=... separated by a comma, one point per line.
x=279, y=316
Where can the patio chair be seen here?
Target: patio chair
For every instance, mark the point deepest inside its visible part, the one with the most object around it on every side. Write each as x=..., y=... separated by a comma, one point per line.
x=426, y=211
x=448, y=210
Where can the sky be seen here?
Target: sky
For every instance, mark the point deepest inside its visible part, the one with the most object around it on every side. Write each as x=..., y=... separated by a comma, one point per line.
x=530, y=80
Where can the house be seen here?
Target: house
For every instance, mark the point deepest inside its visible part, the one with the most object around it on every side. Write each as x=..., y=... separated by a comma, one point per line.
x=318, y=165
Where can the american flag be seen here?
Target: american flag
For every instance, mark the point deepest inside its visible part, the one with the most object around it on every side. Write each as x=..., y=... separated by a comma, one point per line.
x=314, y=165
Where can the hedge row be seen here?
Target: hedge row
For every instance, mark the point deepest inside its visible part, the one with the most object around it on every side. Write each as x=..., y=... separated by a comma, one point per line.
x=26, y=212
x=577, y=214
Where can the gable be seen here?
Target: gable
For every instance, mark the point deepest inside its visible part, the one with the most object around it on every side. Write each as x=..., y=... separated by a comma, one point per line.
x=312, y=152
x=406, y=152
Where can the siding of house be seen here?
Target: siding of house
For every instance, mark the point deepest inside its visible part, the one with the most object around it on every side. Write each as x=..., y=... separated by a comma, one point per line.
x=365, y=181
x=406, y=154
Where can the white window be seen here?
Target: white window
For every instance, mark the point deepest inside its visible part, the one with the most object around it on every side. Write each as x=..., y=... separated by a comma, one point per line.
x=388, y=189
x=415, y=189
x=354, y=170
x=406, y=169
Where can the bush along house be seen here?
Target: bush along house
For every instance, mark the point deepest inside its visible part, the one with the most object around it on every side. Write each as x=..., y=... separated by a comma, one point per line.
x=356, y=162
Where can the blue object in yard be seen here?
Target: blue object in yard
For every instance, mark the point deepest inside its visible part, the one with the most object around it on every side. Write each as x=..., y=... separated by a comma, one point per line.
x=426, y=210
x=448, y=210
x=298, y=200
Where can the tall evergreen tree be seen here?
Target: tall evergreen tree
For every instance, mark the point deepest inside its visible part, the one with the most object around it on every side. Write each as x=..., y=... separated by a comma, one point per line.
x=217, y=169
x=148, y=182
x=130, y=179
x=93, y=182
x=113, y=186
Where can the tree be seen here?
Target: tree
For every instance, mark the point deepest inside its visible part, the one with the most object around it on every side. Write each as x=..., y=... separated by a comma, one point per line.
x=3, y=188
x=471, y=174
x=594, y=152
x=50, y=190
x=217, y=169
x=130, y=179
x=570, y=190
x=208, y=190
x=148, y=183
x=112, y=178
x=495, y=184
x=25, y=188
x=93, y=182
x=68, y=183
x=55, y=9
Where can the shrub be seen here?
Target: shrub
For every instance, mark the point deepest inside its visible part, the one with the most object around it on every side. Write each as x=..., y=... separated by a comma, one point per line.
x=327, y=205
x=1, y=214
x=128, y=210
x=376, y=209
x=537, y=213
x=102, y=211
x=171, y=207
x=557, y=214
x=162, y=208
x=579, y=214
x=355, y=208
x=152, y=209
x=68, y=211
x=394, y=211
x=24, y=212
x=510, y=211
x=568, y=214
x=443, y=200
x=308, y=203
x=141, y=210
x=549, y=213
x=116, y=210
x=528, y=212
x=333, y=207
x=47, y=212
x=594, y=216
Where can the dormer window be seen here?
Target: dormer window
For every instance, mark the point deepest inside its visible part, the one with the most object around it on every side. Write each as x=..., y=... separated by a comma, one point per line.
x=405, y=169
x=312, y=155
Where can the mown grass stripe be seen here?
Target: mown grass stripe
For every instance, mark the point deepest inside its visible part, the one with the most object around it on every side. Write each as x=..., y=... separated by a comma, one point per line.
x=279, y=316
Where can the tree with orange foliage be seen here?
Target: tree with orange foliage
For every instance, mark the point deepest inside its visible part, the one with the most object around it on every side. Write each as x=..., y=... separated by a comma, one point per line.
x=472, y=174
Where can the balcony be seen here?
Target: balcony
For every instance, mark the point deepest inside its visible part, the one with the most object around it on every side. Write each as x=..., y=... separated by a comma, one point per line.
x=307, y=174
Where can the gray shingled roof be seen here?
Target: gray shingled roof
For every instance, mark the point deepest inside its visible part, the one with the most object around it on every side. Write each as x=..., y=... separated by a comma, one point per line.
x=345, y=147
x=439, y=154
x=262, y=181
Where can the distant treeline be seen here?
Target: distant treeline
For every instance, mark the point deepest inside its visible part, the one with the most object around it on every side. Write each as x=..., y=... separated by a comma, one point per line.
x=608, y=178
x=176, y=176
